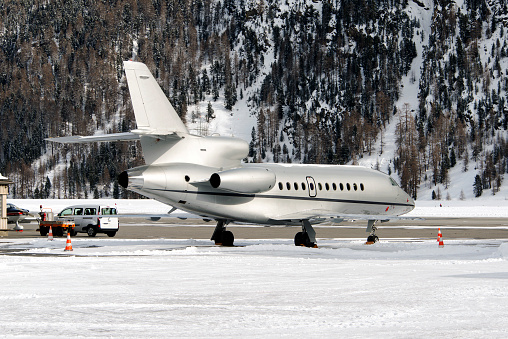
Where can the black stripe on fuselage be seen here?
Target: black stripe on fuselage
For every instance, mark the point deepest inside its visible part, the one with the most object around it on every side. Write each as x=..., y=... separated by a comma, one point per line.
x=286, y=197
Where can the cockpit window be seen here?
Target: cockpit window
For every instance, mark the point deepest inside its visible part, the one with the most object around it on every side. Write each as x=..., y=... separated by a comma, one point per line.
x=394, y=183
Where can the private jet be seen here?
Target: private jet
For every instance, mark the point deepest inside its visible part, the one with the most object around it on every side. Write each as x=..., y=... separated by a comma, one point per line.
x=206, y=175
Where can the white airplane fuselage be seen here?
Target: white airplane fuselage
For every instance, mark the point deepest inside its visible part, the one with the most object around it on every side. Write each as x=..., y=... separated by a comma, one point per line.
x=259, y=192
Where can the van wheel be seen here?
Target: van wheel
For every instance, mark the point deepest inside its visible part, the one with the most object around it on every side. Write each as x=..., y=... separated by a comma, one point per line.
x=91, y=231
x=111, y=234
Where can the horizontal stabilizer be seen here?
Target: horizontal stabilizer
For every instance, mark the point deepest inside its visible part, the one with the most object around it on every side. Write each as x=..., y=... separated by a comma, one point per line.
x=134, y=135
x=77, y=139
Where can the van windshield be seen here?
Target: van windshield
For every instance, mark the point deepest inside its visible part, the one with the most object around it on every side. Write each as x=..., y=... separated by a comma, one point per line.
x=67, y=211
x=109, y=211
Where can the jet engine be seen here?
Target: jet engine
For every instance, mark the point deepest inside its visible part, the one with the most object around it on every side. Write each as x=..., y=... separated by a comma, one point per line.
x=143, y=177
x=244, y=180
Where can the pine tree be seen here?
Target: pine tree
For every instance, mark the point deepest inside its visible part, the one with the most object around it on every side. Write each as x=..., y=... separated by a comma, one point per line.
x=477, y=186
x=209, y=112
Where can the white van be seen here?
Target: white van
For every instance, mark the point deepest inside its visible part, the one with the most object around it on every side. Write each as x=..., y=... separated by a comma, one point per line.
x=91, y=219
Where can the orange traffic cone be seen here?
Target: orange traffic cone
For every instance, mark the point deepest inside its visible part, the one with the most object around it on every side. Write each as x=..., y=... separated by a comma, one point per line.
x=68, y=246
x=50, y=234
x=440, y=238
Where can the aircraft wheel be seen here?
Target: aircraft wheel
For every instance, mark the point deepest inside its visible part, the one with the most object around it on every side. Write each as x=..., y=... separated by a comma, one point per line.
x=372, y=238
x=228, y=238
x=300, y=239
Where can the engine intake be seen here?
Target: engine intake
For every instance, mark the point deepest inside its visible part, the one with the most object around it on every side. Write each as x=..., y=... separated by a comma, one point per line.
x=244, y=180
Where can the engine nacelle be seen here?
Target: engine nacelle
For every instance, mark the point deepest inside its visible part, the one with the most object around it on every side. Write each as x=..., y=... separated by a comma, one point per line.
x=244, y=180
x=143, y=177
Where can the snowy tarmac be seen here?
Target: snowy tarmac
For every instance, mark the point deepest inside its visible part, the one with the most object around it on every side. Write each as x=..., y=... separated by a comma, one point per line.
x=185, y=288
x=165, y=279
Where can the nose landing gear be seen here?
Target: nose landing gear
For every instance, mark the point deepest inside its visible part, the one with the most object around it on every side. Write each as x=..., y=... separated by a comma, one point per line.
x=371, y=228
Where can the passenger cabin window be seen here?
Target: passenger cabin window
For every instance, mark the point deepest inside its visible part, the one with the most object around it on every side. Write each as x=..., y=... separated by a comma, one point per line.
x=296, y=186
x=355, y=187
x=348, y=186
x=78, y=211
x=361, y=187
x=341, y=187
x=288, y=186
x=320, y=186
x=327, y=187
x=280, y=186
x=334, y=186
x=303, y=186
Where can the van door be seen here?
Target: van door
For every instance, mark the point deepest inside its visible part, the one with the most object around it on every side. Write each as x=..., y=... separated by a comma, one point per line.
x=66, y=215
x=78, y=218
x=89, y=217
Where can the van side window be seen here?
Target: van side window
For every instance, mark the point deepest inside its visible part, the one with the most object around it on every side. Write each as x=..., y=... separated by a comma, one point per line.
x=108, y=211
x=78, y=211
x=67, y=211
x=90, y=211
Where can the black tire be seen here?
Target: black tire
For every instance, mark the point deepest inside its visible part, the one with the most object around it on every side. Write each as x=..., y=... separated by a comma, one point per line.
x=300, y=239
x=73, y=232
x=372, y=238
x=44, y=231
x=58, y=231
x=228, y=238
x=91, y=231
x=111, y=234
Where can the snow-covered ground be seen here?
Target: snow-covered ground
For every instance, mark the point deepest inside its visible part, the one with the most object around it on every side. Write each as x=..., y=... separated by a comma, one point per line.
x=132, y=288
x=261, y=289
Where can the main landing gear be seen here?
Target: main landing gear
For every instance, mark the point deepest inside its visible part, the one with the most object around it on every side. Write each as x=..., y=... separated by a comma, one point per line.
x=221, y=236
x=371, y=229
x=307, y=237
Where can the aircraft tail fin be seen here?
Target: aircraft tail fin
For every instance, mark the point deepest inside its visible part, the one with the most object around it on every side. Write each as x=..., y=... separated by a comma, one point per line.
x=155, y=116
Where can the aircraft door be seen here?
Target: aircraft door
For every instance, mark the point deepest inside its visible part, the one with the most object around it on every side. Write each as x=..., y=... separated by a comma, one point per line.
x=311, y=184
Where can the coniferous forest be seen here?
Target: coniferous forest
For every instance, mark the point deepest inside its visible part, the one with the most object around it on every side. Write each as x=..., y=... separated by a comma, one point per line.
x=324, y=79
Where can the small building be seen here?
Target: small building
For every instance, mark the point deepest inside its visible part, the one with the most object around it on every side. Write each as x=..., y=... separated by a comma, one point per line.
x=4, y=190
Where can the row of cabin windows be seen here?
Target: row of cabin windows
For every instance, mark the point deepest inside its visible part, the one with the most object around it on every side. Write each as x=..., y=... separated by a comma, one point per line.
x=327, y=186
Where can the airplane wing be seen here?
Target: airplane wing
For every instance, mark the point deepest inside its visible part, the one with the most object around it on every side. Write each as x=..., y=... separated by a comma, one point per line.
x=318, y=214
x=155, y=217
